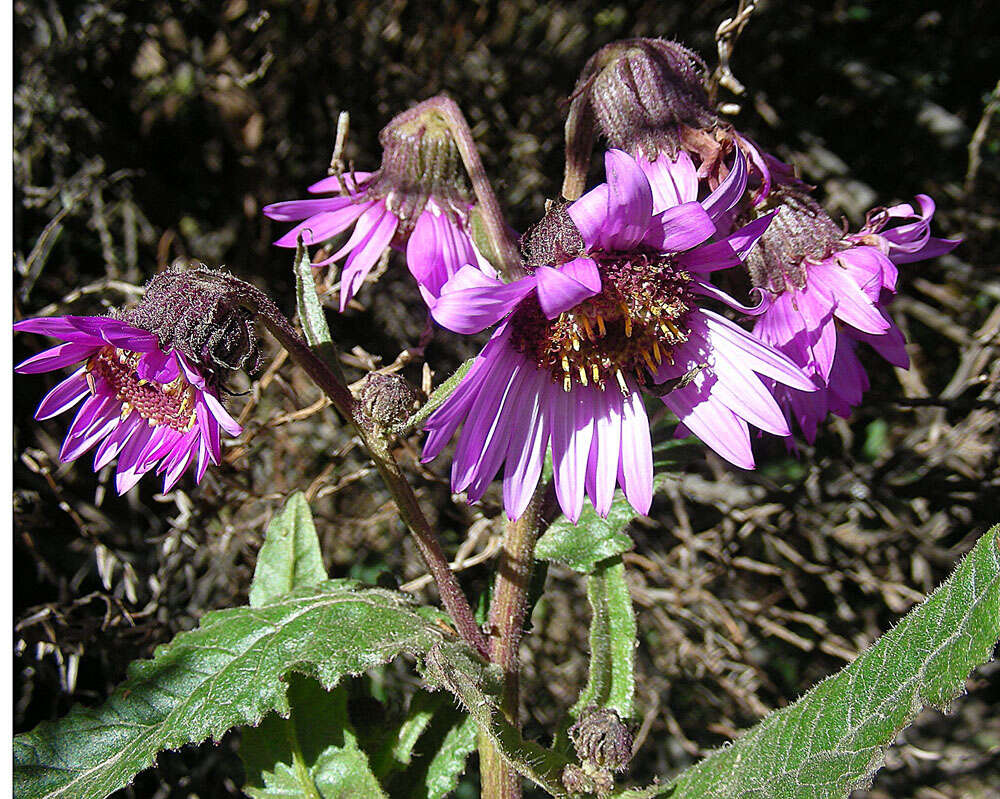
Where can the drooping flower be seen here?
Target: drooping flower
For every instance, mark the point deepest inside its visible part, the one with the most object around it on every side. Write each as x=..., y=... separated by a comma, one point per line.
x=829, y=291
x=417, y=201
x=612, y=305
x=149, y=399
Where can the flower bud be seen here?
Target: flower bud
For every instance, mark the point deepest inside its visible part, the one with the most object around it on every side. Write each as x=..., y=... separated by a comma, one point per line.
x=388, y=400
x=577, y=780
x=799, y=231
x=643, y=92
x=601, y=740
x=198, y=312
x=420, y=161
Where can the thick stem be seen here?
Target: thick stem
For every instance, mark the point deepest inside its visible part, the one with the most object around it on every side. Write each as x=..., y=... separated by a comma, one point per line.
x=452, y=596
x=507, y=616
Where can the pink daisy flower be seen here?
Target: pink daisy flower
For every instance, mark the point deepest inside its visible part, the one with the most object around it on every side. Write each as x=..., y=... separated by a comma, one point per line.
x=144, y=406
x=613, y=312
x=829, y=291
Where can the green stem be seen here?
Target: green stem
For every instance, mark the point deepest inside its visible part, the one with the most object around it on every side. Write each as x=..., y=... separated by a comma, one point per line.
x=309, y=790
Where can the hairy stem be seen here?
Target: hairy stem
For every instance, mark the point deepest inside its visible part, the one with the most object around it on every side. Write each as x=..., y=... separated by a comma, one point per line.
x=452, y=596
x=507, y=616
x=579, y=145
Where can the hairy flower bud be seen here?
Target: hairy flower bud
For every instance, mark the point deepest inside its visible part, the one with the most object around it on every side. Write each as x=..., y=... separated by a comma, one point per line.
x=642, y=92
x=601, y=740
x=800, y=231
x=388, y=400
x=577, y=780
x=198, y=313
x=420, y=161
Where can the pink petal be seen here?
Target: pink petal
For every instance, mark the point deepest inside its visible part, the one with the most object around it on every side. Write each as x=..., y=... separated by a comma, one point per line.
x=630, y=202
x=64, y=396
x=571, y=419
x=560, y=289
x=679, y=228
x=472, y=301
x=636, y=461
x=362, y=259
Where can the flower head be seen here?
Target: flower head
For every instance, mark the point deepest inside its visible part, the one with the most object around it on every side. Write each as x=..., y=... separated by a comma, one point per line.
x=829, y=291
x=149, y=399
x=416, y=201
x=583, y=334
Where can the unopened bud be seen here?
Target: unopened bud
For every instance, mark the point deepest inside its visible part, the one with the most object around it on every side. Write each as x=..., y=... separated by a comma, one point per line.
x=601, y=740
x=576, y=780
x=388, y=400
x=420, y=161
x=643, y=92
x=199, y=313
x=799, y=231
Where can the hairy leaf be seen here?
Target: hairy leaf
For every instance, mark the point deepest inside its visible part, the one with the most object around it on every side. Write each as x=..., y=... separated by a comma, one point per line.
x=611, y=682
x=448, y=763
x=229, y=671
x=583, y=545
x=290, y=557
x=313, y=754
x=311, y=315
x=834, y=738
x=478, y=688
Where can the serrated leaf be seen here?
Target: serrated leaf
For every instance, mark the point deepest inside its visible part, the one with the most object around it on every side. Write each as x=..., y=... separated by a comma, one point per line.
x=478, y=688
x=448, y=763
x=229, y=671
x=395, y=747
x=611, y=681
x=290, y=557
x=437, y=397
x=313, y=754
x=833, y=739
x=583, y=545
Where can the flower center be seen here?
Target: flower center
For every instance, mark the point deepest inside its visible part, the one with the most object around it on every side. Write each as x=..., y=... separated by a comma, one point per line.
x=171, y=404
x=631, y=327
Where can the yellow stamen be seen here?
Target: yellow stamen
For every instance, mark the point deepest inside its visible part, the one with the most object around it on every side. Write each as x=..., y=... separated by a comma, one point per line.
x=583, y=375
x=595, y=373
x=600, y=325
x=628, y=326
x=621, y=381
x=649, y=361
x=567, y=383
x=656, y=353
x=586, y=326
x=565, y=364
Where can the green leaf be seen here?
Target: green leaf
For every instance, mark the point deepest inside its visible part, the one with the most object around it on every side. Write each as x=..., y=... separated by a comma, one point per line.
x=313, y=754
x=290, y=557
x=448, y=763
x=583, y=545
x=478, y=687
x=611, y=682
x=439, y=395
x=397, y=744
x=833, y=739
x=311, y=314
x=229, y=671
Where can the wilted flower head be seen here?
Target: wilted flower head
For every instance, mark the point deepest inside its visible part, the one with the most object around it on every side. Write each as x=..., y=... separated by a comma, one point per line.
x=615, y=308
x=648, y=97
x=417, y=201
x=829, y=290
x=150, y=379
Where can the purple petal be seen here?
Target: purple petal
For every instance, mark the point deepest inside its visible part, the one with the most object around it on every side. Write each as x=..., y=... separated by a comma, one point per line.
x=679, y=228
x=932, y=249
x=97, y=417
x=56, y=358
x=116, y=440
x=636, y=462
x=158, y=367
x=64, y=396
x=228, y=423
x=362, y=259
x=571, y=419
x=743, y=239
x=472, y=301
x=672, y=182
x=712, y=422
x=352, y=183
x=630, y=202
x=567, y=286
x=526, y=456
x=853, y=307
x=590, y=213
x=121, y=335
x=605, y=450
x=730, y=191
x=744, y=394
x=738, y=343
x=324, y=226
x=294, y=210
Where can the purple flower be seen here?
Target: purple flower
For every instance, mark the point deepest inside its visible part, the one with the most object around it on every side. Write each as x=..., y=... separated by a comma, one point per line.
x=435, y=237
x=145, y=406
x=829, y=291
x=580, y=339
